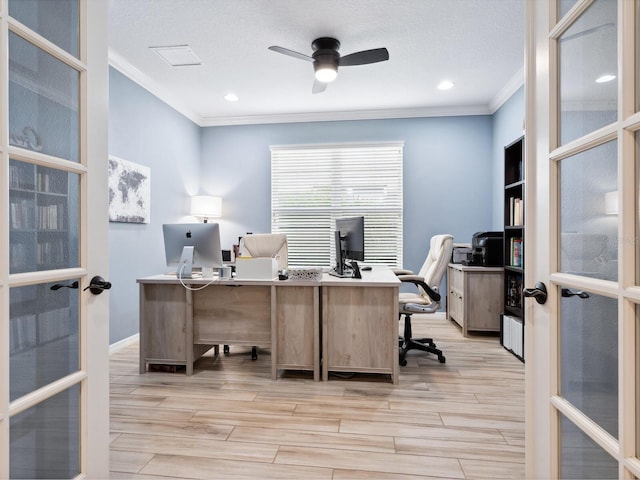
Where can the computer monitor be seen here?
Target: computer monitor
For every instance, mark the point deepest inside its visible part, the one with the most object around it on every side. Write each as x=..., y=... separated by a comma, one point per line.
x=188, y=245
x=349, y=243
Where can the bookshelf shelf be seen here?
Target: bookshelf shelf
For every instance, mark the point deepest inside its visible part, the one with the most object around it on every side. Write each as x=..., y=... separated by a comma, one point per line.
x=38, y=217
x=38, y=240
x=512, y=318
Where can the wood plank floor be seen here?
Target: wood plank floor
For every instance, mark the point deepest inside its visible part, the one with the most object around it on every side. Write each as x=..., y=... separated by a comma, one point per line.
x=461, y=419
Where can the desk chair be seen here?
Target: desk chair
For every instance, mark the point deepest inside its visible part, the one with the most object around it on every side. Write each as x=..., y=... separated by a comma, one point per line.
x=426, y=299
x=260, y=245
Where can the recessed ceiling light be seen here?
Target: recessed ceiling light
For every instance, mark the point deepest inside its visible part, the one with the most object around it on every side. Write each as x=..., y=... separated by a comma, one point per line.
x=231, y=97
x=178, y=55
x=605, y=78
x=445, y=85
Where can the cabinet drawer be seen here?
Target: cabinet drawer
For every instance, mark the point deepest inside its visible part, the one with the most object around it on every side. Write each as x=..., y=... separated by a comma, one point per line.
x=456, y=279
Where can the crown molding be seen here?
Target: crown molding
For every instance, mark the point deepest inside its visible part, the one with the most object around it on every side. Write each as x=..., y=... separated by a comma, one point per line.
x=507, y=91
x=348, y=115
x=146, y=82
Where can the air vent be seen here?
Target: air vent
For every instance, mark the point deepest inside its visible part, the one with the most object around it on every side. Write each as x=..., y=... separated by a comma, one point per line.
x=178, y=55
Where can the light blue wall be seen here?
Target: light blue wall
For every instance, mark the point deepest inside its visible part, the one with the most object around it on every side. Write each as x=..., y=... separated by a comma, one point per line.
x=452, y=177
x=447, y=173
x=508, y=124
x=144, y=130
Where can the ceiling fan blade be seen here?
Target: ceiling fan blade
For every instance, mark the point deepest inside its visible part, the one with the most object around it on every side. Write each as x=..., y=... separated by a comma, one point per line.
x=318, y=87
x=364, y=57
x=291, y=53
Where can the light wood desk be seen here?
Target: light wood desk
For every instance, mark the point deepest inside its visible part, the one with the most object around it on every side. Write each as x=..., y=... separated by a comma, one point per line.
x=359, y=321
x=178, y=326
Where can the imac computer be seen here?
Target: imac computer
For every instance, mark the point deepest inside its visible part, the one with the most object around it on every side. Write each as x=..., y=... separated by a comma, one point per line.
x=349, y=243
x=189, y=245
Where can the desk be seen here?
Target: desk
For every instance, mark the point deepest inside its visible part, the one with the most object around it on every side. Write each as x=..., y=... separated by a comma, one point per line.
x=359, y=321
x=178, y=326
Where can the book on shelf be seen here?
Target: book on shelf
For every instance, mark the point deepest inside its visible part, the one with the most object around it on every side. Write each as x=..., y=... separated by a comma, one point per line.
x=516, y=212
x=512, y=332
x=516, y=252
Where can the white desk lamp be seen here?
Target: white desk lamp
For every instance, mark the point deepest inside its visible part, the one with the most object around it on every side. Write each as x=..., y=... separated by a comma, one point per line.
x=205, y=207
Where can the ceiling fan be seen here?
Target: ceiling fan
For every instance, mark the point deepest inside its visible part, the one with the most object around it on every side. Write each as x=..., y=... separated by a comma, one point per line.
x=326, y=59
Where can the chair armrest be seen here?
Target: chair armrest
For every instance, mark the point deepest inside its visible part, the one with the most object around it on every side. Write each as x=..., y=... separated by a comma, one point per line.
x=401, y=271
x=418, y=280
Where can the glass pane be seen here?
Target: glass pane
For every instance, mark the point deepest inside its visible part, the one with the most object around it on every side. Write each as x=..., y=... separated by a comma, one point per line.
x=57, y=21
x=43, y=101
x=45, y=438
x=581, y=458
x=589, y=357
x=43, y=218
x=588, y=220
x=588, y=67
x=43, y=336
x=564, y=6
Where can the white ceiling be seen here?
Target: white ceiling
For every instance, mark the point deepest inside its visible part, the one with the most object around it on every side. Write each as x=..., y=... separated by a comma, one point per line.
x=478, y=44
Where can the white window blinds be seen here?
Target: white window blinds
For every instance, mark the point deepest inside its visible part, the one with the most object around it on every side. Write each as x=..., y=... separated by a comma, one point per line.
x=311, y=186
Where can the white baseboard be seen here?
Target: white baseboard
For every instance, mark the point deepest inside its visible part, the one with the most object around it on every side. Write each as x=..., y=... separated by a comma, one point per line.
x=125, y=342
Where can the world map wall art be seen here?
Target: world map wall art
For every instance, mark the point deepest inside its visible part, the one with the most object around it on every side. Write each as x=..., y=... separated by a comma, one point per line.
x=129, y=191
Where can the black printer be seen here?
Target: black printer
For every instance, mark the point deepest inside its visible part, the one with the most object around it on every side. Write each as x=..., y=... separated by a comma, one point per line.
x=487, y=249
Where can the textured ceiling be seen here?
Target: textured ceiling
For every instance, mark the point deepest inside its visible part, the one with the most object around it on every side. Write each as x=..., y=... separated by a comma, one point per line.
x=478, y=44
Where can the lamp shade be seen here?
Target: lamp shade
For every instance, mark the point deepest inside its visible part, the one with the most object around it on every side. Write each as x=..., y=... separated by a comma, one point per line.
x=205, y=206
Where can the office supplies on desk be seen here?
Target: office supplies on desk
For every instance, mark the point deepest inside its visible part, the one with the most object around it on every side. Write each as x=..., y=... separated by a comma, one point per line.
x=248, y=268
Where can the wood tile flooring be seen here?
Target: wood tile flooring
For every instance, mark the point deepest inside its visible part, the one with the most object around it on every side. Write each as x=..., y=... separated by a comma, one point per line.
x=462, y=419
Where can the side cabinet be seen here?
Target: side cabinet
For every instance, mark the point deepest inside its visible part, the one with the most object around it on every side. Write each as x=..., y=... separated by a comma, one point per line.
x=475, y=297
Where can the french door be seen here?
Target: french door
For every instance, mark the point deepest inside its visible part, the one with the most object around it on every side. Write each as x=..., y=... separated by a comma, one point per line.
x=53, y=230
x=583, y=149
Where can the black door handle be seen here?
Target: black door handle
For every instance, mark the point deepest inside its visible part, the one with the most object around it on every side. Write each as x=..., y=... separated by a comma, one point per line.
x=570, y=293
x=98, y=285
x=58, y=286
x=539, y=292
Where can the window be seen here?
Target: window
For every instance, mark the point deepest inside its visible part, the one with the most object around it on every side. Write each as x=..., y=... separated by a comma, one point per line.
x=313, y=185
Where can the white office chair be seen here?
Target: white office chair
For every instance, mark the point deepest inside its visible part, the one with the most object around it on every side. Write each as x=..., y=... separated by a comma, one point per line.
x=260, y=245
x=426, y=299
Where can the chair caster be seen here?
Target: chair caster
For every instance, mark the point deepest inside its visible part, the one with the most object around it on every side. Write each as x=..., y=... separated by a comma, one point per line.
x=225, y=349
x=441, y=359
x=403, y=362
x=254, y=353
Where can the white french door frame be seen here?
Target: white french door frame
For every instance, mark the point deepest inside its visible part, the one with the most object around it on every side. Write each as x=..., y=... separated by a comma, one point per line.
x=92, y=376
x=543, y=402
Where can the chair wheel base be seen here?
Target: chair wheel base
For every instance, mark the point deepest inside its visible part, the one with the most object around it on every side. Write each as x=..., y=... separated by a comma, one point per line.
x=254, y=353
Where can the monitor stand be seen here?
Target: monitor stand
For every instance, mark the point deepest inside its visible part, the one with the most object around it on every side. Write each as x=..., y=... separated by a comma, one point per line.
x=185, y=267
x=353, y=272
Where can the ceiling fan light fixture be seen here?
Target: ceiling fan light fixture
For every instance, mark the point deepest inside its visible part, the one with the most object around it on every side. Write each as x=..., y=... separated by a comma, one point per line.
x=326, y=73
